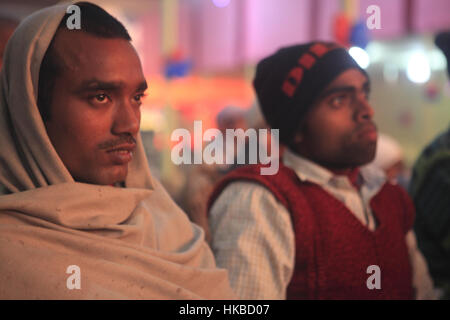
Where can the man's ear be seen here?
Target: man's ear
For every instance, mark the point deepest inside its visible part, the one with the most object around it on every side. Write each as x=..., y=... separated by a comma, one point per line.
x=299, y=135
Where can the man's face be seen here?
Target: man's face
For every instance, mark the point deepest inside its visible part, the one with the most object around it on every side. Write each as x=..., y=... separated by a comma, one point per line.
x=95, y=109
x=338, y=132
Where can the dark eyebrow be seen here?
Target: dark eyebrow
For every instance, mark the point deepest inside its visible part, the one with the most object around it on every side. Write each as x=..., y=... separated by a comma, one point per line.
x=333, y=90
x=326, y=93
x=95, y=84
x=142, y=86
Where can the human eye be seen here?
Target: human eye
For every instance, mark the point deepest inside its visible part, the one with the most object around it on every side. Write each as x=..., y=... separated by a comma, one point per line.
x=339, y=100
x=138, y=98
x=99, y=98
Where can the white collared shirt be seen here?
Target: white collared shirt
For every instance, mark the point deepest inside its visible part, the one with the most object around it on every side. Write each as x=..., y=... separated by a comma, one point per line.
x=253, y=237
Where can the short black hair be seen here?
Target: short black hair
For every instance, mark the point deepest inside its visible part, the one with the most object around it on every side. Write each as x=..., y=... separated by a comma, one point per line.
x=95, y=21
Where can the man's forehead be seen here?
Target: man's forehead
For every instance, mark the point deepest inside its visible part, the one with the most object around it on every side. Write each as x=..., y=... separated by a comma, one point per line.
x=350, y=77
x=79, y=49
x=109, y=84
x=84, y=56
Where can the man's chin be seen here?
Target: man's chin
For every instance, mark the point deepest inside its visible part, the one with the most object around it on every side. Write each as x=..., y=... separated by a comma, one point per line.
x=110, y=176
x=118, y=176
x=365, y=159
x=356, y=158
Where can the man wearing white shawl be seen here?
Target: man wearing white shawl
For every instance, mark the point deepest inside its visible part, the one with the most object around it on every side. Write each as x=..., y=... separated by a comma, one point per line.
x=58, y=207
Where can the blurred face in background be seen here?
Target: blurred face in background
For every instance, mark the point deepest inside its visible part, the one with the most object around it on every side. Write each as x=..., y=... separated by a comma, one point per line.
x=94, y=115
x=6, y=31
x=231, y=118
x=338, y=132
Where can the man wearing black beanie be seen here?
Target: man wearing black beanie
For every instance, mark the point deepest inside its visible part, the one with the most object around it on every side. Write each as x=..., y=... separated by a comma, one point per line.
x=323, y=227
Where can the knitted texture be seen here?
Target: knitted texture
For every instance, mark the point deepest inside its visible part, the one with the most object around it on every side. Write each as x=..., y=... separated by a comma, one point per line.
x=333, y=249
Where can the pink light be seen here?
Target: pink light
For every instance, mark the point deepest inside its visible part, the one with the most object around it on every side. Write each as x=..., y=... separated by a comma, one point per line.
x=221, y=3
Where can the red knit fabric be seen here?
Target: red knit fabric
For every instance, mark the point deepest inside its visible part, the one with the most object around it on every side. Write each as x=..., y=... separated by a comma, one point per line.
x=333, y=249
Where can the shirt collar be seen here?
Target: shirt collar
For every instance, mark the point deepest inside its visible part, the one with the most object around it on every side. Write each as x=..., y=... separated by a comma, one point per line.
x=307, y=170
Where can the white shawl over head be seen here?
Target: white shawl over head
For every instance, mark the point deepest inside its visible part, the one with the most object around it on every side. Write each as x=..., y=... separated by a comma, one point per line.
x=129, y=243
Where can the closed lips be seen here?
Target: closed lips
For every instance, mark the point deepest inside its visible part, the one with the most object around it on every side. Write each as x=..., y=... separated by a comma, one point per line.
x=123, y=148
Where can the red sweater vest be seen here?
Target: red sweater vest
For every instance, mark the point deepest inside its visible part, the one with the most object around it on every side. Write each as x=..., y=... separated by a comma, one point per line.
x=333, y=249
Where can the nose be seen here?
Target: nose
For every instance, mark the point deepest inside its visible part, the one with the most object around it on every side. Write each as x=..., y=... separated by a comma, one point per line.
x=364, y=111
x=126, y=119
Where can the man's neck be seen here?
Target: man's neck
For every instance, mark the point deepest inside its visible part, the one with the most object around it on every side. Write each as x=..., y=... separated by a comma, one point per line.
x=351, y=173
x=340, y=171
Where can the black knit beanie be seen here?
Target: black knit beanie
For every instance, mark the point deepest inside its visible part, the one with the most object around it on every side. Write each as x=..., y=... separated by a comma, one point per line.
x=288, y=82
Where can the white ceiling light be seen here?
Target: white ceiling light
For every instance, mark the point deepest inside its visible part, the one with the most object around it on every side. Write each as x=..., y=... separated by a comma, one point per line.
x=437, y=60
x=418, y=69
x=360, y=56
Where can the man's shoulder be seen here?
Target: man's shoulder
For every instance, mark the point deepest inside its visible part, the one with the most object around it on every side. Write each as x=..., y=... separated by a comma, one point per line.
x=439, y=144
x=436, y=154
x=250, y=176
x=252, y=173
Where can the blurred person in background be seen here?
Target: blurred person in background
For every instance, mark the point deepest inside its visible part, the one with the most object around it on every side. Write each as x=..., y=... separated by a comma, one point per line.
x=7, y=26
x=430, y=190
x=201, y=178
x=314, y=229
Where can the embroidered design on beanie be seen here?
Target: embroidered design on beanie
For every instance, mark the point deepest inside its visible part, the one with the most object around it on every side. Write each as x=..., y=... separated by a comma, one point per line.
x=305, y=62
x=319, y=49
x=296, y=74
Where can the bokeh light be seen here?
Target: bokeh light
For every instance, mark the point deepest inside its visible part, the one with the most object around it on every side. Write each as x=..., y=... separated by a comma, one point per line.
x=360, y=56
x=418, y=70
